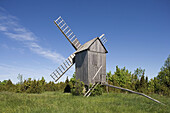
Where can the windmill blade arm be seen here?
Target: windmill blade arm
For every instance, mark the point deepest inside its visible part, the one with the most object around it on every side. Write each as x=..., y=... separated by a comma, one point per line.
x=103, y=38
x=63, y=68
x=67, y=32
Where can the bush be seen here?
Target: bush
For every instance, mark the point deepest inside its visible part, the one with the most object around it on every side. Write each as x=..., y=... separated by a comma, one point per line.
x=35, y=87
x=97, y=90
x=78, y=88
x=2, y=88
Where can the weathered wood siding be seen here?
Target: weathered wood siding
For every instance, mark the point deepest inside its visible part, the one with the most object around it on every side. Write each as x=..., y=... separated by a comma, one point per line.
x=89, y=61
x=96, y=58
x=104, y=68
x=81, y=60
x=95, y=61
x=97, y=47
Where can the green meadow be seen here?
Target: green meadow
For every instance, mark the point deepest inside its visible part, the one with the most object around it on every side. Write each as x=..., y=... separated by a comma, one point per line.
x=58, y=102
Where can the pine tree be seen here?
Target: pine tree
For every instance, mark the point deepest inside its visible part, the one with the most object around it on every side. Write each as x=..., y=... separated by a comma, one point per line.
x=164, y=78
x=67, y=89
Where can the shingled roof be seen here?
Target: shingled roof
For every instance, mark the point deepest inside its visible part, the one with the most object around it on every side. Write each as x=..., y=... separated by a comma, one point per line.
x=88, y=44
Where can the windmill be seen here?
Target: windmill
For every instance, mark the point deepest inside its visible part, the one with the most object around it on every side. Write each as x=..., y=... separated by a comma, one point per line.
x=89, y=59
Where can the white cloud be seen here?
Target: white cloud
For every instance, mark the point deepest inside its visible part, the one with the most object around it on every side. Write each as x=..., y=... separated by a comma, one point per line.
x=10, y=27
x=20, y=36
x=3, y=28
x=46, y=53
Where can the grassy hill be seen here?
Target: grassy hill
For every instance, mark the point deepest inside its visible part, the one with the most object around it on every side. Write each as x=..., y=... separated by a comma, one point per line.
x=57, y=102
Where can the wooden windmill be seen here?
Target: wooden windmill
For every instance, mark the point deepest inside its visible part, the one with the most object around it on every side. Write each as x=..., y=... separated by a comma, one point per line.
x=89, y=59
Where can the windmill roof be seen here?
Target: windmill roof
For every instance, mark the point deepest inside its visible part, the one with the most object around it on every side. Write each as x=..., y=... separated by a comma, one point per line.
x=88, y=44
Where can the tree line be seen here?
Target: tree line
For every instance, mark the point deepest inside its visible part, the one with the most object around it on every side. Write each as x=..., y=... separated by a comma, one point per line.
x=138, y=81
x=122, y=77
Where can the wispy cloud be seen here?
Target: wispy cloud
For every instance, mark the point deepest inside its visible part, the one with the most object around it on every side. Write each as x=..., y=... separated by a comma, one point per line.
x=10, y=27
x=20, y=35
x=3, y=28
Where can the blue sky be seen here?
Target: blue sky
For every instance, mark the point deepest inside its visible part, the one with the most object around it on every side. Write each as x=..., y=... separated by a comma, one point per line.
x=138, y=33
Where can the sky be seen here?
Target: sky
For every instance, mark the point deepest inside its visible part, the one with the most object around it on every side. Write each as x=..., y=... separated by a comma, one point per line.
x=138, y=34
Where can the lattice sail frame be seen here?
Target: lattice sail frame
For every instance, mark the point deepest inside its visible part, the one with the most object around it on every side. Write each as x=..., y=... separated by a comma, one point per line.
x=67, y=32
x=103, y=38
x=59, y=72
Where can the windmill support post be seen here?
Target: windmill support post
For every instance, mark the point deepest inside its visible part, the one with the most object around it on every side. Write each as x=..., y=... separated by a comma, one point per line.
x=133, y=92
x=88, y=93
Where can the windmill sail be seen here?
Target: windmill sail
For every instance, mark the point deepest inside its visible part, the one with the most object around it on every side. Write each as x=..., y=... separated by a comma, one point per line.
x=68, y=33
x=103, y=39
x=59, y=72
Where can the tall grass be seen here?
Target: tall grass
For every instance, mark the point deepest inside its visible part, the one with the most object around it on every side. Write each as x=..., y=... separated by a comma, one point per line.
x=57, y=102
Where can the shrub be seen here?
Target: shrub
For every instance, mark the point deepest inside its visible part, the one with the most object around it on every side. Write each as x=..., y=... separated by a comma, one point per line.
x=78, y=88
x=35, y=87
x=97, y=90
x=2, y=88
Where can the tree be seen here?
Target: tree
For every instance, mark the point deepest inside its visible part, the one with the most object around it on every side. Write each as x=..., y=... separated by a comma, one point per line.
x=164, y=74
x=9, y=86
x=151, y=86
x=42, y=81
x=35, y=87
x=73, y=80
x=164, y=78
x=9, y=83
x=142, y=87
x=139, y=72
x=109, y=76
x=67, y=80
x=67, y=89
x=156, y=85
x=134, y=80
x=4, y=82
x=20, y=78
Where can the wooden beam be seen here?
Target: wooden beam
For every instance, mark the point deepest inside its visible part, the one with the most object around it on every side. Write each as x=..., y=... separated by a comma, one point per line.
x=97, y=72
x=133, y=92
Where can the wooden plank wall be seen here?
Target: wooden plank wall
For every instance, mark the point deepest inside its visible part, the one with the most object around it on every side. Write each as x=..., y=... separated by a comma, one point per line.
x=97, y=47
x=89, y=61
x=81, y=66
x=96, y=58
x=95, y=61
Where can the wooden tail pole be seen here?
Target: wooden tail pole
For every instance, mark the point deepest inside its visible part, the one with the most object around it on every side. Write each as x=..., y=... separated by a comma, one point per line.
x=133, y=92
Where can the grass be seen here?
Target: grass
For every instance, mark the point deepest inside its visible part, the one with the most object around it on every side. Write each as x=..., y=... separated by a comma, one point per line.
x=57, y=102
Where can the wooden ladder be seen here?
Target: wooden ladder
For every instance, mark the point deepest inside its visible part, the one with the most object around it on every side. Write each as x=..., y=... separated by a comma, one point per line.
x=88, y=93
x=59, y=72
